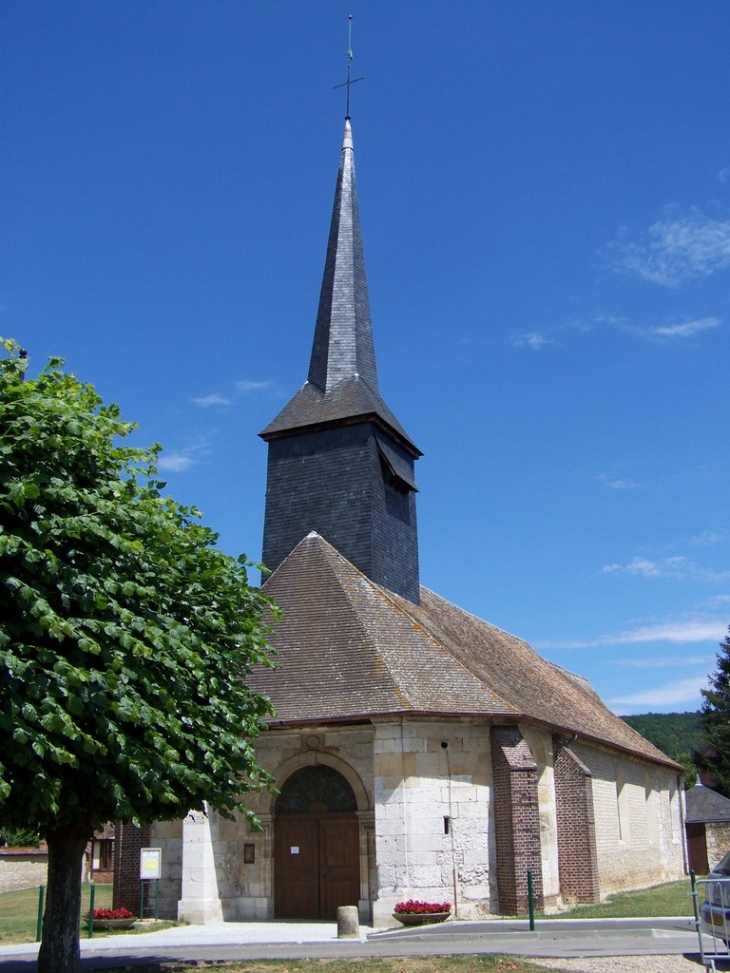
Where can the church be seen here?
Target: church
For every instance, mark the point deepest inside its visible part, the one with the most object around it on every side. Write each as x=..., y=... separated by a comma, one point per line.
x=418, y=751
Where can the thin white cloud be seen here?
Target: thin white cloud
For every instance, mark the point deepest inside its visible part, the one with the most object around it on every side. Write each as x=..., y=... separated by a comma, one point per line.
x=679, y=249
x=724, y=174
x=667, y=662
x=677, y=331
x=617, y=483
x=181, y=460
x=246, y=385
x=678, y=632
x=532, y=339
x=680, y=568
x=214, y=399
x=670, y=694
x=709, y=537
x=175, y=462
x=686, y=330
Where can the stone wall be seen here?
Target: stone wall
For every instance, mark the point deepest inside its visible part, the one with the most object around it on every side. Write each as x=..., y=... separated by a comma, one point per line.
x=215, y=874
x=22, y=868
x=639, y=837
x=432, y=815
x=717, y=836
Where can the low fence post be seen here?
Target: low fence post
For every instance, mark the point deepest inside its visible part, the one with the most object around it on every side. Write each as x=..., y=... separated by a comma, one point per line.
x=531, y=900
x=92, y=897
x=39, y=923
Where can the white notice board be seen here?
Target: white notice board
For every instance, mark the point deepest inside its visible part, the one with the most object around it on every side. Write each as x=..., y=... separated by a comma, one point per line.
x=150, y=863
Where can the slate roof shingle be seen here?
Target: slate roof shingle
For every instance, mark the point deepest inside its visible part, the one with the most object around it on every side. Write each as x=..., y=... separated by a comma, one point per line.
x=705, y=805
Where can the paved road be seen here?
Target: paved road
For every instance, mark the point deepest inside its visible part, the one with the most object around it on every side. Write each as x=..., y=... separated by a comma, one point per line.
x=302, y=940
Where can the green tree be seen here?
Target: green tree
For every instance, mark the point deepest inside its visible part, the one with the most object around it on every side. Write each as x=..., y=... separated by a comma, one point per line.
x=716, y=721
x=125, y=639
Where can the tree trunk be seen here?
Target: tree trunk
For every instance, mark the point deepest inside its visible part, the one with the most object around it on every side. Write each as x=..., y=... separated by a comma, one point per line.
x=59, y=952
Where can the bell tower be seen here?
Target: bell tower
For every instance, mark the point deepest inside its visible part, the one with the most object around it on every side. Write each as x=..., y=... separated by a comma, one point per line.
x=339, y=461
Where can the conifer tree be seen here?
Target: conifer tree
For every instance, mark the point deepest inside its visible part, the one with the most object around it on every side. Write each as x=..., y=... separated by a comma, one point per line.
x=716, y=721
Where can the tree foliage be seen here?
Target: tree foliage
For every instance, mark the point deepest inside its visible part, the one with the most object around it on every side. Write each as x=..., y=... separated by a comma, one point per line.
x=679, y=735
x=125, y=634
x=716, y=721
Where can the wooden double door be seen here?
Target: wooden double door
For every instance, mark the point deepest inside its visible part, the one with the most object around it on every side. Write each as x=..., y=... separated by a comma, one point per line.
x=316, y=864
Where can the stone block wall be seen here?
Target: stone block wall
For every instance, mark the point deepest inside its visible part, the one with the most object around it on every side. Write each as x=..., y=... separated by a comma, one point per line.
x=167, y=836
x=22, y=868
x=432, y=806
x=632, y=850
x=215, y=878
x=717, y=836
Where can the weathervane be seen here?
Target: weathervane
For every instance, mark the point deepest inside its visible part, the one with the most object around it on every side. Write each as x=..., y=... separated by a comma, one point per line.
x=349, y=64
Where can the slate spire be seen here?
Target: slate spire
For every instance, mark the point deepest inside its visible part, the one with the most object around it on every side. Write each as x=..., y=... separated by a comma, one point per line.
x=343, y=337
x=343, y=378
x=340, y=463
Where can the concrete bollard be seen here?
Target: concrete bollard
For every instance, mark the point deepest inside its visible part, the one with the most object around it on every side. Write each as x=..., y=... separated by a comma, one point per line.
x=348, y=922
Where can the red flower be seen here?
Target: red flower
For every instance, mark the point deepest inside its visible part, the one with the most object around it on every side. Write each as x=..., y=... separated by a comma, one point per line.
x=413, y=907
x=112, y=914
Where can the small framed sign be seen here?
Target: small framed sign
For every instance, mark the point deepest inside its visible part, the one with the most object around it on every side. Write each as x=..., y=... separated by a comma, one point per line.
x=150, y=863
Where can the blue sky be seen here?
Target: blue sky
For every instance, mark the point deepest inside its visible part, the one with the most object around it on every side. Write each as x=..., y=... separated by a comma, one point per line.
x=545, y=198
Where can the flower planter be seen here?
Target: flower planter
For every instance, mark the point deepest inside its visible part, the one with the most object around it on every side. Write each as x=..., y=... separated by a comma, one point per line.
x=106, y=924
x=421, y=918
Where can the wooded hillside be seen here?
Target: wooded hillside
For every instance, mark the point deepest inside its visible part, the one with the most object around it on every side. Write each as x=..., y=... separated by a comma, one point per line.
x=676, y=734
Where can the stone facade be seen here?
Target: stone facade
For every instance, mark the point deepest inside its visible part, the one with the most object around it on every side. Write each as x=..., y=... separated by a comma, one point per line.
x=454, y=810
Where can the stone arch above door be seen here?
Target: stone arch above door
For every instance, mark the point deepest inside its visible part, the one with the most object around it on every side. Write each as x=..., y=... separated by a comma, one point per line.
x=314, y=758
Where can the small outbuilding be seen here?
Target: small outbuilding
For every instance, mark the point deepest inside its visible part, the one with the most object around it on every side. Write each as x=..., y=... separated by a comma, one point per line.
x=707, y=824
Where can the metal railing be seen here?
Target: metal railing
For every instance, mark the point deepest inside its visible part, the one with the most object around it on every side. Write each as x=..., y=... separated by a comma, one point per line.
x=711, y=897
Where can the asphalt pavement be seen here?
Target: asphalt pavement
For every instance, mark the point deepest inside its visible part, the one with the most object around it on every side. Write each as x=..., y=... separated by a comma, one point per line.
x=308, y=940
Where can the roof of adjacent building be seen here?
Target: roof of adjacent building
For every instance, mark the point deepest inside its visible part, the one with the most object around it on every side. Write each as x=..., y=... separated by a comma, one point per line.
x=705, y=805
x=342, y=383
x=349, y=649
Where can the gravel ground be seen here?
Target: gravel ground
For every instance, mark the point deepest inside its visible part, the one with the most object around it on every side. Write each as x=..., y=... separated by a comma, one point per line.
x=624, y=964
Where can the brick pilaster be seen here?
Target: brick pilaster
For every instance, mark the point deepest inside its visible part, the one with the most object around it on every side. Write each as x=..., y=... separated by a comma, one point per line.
x=128, y=840
x=577, y=854
x=517, y=821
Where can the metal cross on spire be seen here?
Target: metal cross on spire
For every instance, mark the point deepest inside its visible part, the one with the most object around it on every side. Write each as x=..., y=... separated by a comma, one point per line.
x=350, y=80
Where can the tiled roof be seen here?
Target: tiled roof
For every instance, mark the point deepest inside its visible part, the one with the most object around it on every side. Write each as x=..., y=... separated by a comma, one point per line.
x=350, y=649
x=705, y=805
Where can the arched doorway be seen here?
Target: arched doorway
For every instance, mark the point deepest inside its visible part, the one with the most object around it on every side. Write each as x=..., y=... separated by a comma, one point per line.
x=316, y=845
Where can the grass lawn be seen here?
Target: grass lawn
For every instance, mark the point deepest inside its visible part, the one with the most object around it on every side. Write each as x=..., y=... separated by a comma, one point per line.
x=672, y=899
x=19, y=911
x=401, y=964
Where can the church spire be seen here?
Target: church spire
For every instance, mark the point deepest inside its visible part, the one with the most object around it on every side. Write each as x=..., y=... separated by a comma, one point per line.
x=342, y=384
x=340, y=463
x=343, y=338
